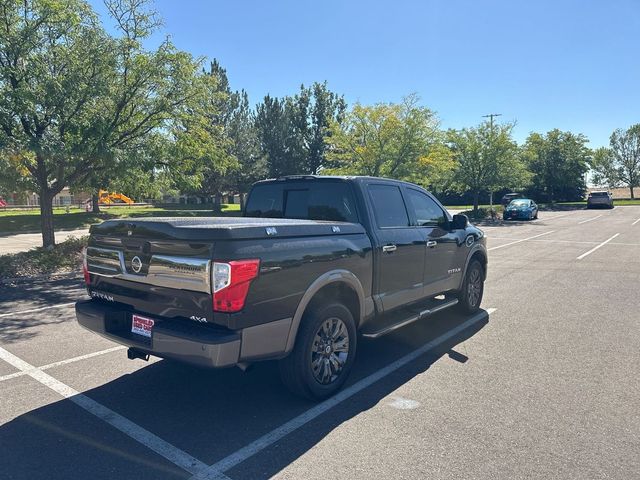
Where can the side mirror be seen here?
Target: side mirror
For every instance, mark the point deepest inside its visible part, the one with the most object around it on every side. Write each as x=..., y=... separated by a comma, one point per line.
x=460, y=222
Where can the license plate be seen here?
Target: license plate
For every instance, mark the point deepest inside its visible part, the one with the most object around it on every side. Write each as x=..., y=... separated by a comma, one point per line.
x=141, y=325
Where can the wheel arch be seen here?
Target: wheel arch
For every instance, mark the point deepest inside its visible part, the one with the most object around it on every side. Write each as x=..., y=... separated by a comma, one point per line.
x=340, y=285
x=477, y=253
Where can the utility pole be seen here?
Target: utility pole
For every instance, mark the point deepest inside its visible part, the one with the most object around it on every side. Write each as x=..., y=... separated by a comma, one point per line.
x=490, y=116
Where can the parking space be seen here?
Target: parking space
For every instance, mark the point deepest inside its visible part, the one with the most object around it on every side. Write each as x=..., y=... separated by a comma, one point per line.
x=543, y=385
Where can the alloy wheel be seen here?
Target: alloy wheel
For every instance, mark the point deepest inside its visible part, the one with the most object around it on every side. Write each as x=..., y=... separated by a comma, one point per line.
x=474, y=287
x=329, y=350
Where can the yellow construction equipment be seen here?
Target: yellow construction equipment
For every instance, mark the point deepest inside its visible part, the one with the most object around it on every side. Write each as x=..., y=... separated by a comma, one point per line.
x=113, y=197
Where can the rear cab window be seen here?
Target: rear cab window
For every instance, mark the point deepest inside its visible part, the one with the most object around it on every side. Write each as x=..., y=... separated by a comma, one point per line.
x=313, y=200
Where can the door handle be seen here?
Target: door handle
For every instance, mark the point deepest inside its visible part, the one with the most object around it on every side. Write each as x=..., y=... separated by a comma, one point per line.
x=431, y=243
x=389, y=248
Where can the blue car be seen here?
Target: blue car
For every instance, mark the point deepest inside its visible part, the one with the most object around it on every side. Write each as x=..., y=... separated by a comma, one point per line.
x=521, y=209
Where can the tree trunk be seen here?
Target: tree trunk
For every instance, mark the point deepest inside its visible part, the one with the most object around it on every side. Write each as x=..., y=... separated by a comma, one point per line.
x=95, y=202
x=217, y=205
x=631, y=190
x=46, y=218
x=243, y=199
x=491, y=205
x=476, y=197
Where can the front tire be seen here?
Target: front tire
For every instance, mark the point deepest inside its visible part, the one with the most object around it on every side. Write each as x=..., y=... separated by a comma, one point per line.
x=470, y=297
x=323, y=355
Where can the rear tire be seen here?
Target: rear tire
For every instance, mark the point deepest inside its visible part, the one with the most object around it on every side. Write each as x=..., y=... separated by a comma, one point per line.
x=323, y=355
x=470, y=297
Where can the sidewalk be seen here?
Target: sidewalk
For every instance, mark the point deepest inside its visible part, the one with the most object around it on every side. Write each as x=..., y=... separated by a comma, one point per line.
x=22, y=242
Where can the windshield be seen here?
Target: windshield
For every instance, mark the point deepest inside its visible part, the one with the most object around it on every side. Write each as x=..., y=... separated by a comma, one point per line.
x=320, y=200
x=519, y=203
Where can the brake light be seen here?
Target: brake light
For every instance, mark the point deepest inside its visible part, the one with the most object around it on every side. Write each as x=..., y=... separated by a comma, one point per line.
x=85, y=267
x=231, y=281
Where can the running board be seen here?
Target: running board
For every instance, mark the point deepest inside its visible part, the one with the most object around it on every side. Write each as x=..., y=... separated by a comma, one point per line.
x=441, y=305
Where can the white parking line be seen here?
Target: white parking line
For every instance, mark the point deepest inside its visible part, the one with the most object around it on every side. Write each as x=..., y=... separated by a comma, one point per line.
x=216, y=471
x=589, y=219
x=596, y=247
x=13, y=314
x=556, y=216
x=146, y=438
x=63, y=362
x=521, y=240
x=638, y=220
x=570, y=242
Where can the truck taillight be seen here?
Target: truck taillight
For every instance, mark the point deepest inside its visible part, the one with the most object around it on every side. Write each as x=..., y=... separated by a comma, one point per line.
x=231, y=282
x=85, y=267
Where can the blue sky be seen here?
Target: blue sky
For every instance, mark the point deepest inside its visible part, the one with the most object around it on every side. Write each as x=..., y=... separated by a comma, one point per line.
x=568, y=64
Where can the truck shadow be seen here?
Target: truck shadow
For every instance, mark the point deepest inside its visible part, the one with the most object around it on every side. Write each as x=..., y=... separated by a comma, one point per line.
x=208, y=413
x=28, y=295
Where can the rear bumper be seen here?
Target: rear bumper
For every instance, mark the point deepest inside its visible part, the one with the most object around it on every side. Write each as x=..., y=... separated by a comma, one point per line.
x=190, y=343
x=516, y=215
x=600, y=203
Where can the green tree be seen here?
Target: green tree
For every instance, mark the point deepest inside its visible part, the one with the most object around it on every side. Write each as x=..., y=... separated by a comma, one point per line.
x=293, y=131
x=317, y=107
x=272, y=124
x=625, y=147
x=245, y=147
x=15, y=179
x=558, y=161
x=73, y=99
x=603, y=168
x=487, y=160
x=389, y=140
x=201, y=135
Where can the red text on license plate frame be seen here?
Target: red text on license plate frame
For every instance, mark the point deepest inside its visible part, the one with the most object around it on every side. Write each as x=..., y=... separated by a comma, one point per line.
x=142, y=325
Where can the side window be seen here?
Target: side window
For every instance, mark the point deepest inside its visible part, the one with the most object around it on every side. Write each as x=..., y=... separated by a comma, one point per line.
x=332, y=201
x=427, y=212
x=388, y=206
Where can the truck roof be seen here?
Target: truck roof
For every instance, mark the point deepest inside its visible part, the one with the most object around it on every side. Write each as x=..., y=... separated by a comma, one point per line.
x=329, y=177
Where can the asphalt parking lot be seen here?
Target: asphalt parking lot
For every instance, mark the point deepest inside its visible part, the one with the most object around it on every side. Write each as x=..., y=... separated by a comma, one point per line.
x=543, y=384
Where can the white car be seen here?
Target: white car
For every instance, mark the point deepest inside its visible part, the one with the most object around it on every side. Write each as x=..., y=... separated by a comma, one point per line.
x=600, y=199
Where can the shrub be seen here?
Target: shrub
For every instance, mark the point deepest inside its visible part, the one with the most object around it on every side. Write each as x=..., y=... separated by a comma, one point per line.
x=64, y=257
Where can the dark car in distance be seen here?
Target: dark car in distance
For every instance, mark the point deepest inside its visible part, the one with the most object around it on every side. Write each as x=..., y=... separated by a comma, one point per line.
x=506, y=199
x=315, y=261
x=521, y=209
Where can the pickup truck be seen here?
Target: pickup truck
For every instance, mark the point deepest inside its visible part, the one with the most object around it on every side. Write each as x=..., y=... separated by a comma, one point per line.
x=314, y=262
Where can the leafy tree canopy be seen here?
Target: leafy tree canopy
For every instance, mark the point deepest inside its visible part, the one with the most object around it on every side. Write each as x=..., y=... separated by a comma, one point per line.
x=558, y=162
x=487, y=159
x=390, y=140
x=625, y=148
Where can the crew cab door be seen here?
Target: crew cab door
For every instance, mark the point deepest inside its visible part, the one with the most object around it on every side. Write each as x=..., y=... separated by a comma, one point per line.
x=444, y=252
x=399, y=248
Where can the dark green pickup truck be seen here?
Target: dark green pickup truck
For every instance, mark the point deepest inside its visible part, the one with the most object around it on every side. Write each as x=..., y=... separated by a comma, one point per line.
x=314, y=262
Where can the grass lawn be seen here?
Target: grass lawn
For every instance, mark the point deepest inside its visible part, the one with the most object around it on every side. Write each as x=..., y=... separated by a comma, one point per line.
x=24, y=221
x=620, y=202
